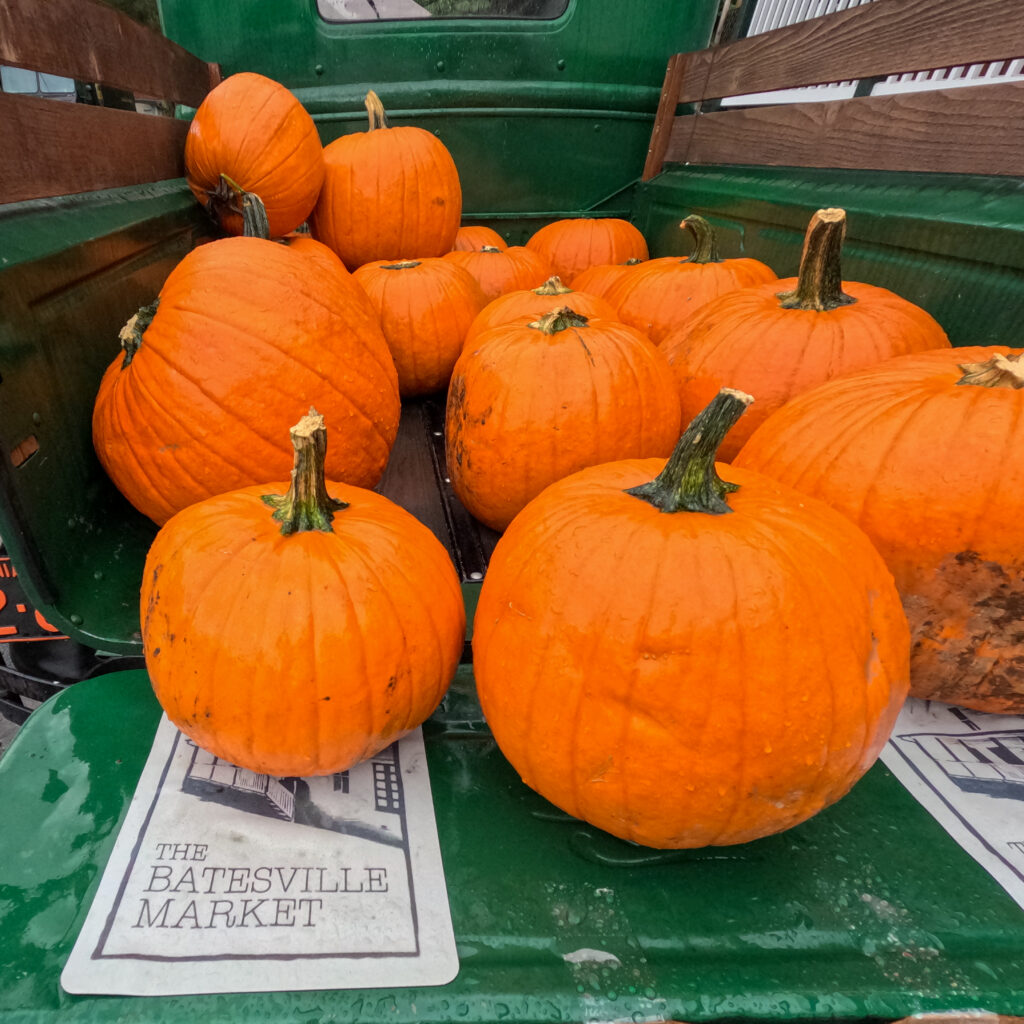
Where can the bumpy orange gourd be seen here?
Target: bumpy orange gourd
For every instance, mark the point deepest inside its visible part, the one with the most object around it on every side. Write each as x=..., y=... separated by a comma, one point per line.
x=303, y=637
x=471, y=237
x=244, y=331
x=574, y=244
x=503, y=270
x=683, y=670
x=536, y=302
x=925, y=453
x=387, y=192
x=779, y=339
x=532, y=401
x=250, y=134
x=425, y=308
x=659, y=294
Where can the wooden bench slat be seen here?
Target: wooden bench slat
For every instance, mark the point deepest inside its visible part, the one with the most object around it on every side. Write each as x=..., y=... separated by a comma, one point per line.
x=876, y=39
x=977, y=130
x=92, y=42
x=64, y=148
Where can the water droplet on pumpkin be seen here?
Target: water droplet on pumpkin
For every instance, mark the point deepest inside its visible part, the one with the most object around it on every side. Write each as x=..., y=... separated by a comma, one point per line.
x=767, y=748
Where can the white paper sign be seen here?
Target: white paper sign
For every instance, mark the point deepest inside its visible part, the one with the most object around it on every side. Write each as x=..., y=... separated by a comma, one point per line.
x=223, y=880
x=967, y=769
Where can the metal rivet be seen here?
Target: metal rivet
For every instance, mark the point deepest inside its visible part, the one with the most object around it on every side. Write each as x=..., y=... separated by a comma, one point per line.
x=560, y=64
x=98, y=574
x=76, y=619
x=440, y=65
x=319, y=69
x=37, y=418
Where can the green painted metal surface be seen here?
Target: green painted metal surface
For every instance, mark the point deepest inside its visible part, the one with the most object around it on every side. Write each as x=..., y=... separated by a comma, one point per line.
x=867, y=911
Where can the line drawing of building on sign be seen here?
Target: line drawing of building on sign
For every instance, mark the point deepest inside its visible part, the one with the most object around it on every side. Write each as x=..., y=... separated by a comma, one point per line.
x=981, y=762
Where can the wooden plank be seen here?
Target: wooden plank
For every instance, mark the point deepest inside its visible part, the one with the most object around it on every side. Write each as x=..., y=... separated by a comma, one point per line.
x=54, y=148
x=664, y=117
x=880, y=38
x=92, y=42
x=978, y=130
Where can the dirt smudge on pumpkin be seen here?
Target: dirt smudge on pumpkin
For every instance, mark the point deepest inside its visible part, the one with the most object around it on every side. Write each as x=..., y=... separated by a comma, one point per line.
x=455, y=421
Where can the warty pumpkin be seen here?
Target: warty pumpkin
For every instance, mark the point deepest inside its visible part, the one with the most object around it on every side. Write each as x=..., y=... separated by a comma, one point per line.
x=503, y=270
x=299, y=633
x=250, y=134
x=200, y=398
x=387, y=192
x=425, y=308
x=686, y=661
x=534, y=400
x=574, y=244
x=923, y=452
x=779, y=339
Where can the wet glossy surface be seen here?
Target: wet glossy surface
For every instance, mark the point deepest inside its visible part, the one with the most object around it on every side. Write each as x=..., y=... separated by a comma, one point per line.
x=867, y=910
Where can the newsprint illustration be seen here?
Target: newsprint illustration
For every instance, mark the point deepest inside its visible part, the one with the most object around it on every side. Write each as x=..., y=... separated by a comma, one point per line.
x=225, y=880
x=967, y=769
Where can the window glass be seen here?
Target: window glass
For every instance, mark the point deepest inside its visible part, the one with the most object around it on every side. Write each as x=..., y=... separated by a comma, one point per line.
x=399, y=10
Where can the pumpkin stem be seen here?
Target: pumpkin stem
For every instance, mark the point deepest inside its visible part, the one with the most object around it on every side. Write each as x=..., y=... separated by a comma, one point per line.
x=820, y=279
x=255, y=222
x=307, y=505
x=552, y=286
x=401, y=265
x=689, y=480
x=375, y=111
x=998, y=372
x=131, y=334
x=229, y=197
x=559, y=320
x=705, y=241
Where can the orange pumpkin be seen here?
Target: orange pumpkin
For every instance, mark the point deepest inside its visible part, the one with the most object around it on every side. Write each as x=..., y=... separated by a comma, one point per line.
x=250, y=134
x=387, y=191
x=574, y=244
x=923, y=452
x=303, y=640
x=600, y=279
x=535, y=302
x=425, y=308
x=686, y=661
x=503, y=270
x=779, y=339
x=475, y=236
x=661, y=293
x=532, y=401
x=243, y=331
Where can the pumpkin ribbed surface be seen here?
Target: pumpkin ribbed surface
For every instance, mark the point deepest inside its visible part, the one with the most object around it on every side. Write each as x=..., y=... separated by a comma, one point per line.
x=574, y=244
x=503, y=270
x=930, y=469
x=471, y=237
x=600, y=279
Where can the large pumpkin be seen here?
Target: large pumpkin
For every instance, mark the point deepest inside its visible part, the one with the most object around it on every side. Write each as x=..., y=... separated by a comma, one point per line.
x=426, y=308
x=659, y=294
x=250, y=134
x=779, y=339
x=202, y=396
x=303, y=637
x=600, y=279
x=532, y=401
x=574, y=244
x=685, y=661
x=387, y=193
x=924, y=453
x=471, y=237
x=502, y=270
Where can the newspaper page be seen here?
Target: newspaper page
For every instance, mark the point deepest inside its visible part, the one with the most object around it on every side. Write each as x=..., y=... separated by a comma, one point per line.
x=224, y=880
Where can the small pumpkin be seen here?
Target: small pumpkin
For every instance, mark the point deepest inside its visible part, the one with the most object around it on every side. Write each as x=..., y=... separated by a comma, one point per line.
x=209, y=375
x=386, y=191
x=687, y=661
x=534, y=400
x=659, y=294
x=923, y=452
x=503, y=270
x=779, y=339
x=250, y=134
x=475, y=236
x=536, y=302
x=574, y=244
x=425, y=307
x=303, y=637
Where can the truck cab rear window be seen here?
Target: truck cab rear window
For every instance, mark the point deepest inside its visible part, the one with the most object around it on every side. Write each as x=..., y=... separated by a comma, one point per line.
x=400, y=10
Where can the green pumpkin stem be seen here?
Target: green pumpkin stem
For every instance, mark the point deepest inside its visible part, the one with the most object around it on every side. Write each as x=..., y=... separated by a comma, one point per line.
x=307, y=505
x=552, y=286
x=375, y=111
x=559, y=320
x=705, y=242
x=820, y=280
x=998, y=372
x=689, y=481
x=132, y=332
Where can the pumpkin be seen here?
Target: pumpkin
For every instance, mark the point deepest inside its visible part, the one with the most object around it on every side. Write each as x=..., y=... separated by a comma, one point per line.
x=534, y=400
x=250, y=134
x=303, y=637
x=210, y=374
x=535, y=302
x=574, y=244
x=387, y=191
x=923, y=453
x=779, y=339
x=599, y=280
x=426, y=308
x=503, y=270
x=661, y=293
x=475, y=236
x=685, y=661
